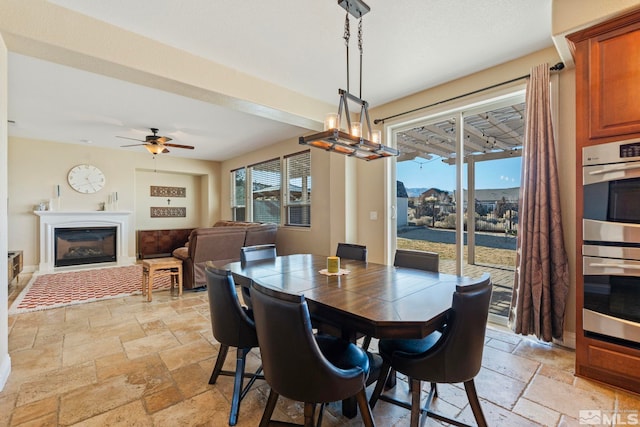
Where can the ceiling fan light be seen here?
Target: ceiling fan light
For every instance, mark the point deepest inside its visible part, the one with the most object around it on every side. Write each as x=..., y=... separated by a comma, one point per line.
x=154, y=148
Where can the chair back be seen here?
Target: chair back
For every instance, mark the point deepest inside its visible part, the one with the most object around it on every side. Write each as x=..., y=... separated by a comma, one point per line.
x=230, y=322
x=457, y=356
x=352, y=251
x=421, y=260
x=257, y=252
x=292, y=361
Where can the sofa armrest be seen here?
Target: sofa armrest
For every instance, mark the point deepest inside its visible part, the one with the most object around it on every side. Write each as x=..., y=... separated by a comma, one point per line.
x=181, y=253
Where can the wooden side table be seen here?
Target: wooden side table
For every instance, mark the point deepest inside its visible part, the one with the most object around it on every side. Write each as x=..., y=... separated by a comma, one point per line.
x=159, y=267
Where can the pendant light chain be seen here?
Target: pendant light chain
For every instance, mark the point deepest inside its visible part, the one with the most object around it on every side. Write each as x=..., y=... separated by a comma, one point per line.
x=346, y=37
x=360, y=48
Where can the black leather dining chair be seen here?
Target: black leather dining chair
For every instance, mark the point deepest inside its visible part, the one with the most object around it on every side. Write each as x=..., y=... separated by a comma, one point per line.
x=232, y=327
x=352, y=251
x=421, y=260
x=314, y=369
x=255, y=253
x=451, y=356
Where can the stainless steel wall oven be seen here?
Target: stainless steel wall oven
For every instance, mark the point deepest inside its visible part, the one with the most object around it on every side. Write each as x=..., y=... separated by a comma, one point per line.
x=611, y=235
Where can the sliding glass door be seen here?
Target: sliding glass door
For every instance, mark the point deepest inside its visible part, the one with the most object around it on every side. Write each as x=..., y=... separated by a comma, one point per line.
x=458, y=182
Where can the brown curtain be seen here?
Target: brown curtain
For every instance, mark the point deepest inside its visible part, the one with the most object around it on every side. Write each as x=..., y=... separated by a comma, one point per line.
x=542, y=274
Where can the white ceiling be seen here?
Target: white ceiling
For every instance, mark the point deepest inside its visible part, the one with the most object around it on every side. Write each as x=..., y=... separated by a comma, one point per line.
x=409, y=45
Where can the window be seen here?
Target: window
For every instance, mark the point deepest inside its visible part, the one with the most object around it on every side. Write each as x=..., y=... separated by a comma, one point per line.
x=238, y=194
x=266, y=180
x=278, y=191
x=298, y=189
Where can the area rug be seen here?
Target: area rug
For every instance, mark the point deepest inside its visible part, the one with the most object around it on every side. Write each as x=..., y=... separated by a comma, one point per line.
x=75, y=287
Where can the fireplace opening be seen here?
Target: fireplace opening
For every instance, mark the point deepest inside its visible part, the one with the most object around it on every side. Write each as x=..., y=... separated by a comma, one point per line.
x=84, y=245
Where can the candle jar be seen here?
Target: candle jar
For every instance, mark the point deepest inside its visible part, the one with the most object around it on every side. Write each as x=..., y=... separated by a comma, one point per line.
x=333, y=264
x=376, y=136
x=331, y=121
x=356, y=129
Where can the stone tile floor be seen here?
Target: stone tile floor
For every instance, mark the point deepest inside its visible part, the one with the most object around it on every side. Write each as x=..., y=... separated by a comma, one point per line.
x=129, y=362
x=501, y=277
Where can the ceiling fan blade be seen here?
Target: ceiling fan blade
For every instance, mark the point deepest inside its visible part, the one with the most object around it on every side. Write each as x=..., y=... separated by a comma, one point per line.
x=188, y=147
x=132, y=145
x=165, y=151
x=133, y=139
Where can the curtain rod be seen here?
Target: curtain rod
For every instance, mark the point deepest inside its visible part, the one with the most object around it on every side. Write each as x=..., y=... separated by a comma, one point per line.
x=559, y=66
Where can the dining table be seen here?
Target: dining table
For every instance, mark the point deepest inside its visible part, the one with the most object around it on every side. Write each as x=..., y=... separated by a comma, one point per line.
x=378, y=300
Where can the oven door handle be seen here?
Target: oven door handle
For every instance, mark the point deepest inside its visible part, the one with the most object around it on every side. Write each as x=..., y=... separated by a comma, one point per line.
x=607, y=265
x=615, y=168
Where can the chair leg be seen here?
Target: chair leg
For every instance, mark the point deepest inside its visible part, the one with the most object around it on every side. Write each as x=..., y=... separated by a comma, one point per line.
x=320, y=415
x=269, y=407
x=309, y=413
x=415, y=402
x=366, y=342
x=365, y=410
x=391, y=380
x=434, y=386
x=384, y=372
x=222, y=354
x=472, y=395
x=241, y=355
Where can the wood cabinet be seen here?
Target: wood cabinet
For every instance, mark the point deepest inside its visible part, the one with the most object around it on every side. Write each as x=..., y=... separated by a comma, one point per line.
x=607, y=60
x=14, y=266
x=160, y=243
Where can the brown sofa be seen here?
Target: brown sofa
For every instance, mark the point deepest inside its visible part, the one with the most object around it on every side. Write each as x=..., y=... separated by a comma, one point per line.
x=220, y=244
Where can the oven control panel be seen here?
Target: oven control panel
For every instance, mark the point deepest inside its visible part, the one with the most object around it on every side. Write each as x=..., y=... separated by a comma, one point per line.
x=611, y=152
x=630, y=150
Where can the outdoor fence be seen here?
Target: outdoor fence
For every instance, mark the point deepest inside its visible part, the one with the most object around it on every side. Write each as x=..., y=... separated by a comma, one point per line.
x=495, y=217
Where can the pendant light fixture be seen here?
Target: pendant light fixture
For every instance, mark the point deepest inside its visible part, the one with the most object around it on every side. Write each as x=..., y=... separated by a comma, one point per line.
x=358, y=140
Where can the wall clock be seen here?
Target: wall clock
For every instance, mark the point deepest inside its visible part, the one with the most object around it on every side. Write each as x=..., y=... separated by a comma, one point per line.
x=86, y=179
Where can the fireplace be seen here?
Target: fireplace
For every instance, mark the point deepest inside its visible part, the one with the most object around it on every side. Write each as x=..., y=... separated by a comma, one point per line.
x=52, y=221
x=83, y=245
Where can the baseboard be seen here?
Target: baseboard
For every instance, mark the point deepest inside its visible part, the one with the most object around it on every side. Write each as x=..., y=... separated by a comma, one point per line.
x=568, y=340
x=29, y=269
x=5, y=370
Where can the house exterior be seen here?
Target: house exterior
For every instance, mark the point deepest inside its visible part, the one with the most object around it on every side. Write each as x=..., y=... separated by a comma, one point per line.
x=488, y=198
x=346, y=192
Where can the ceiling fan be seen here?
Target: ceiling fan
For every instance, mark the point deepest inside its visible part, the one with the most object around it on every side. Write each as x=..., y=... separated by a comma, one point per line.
x=155, y=143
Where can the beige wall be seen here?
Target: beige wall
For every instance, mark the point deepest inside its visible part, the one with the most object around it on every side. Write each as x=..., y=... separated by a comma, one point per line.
x=193, y=202
x=5, y=360
x=35, y=167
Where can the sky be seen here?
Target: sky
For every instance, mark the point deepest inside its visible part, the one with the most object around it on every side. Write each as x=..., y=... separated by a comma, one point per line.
x=421, y=173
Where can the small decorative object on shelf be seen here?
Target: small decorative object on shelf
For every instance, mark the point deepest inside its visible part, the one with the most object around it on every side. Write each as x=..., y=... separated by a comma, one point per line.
x=55, y=203
x=112, y=201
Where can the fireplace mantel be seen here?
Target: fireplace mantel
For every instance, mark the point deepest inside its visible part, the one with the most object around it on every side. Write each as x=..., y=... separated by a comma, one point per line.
x=50, y=220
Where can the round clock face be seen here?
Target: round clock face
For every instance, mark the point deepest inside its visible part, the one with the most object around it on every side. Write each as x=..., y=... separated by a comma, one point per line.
x=86, y=179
